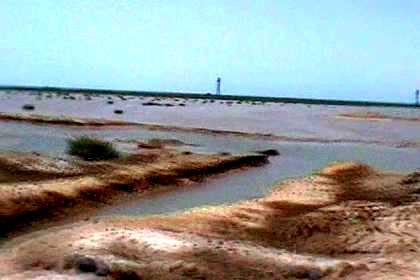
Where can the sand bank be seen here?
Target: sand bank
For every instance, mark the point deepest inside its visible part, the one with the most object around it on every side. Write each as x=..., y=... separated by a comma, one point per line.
x=374, y=116
x=347, y=221
x=105, y=123
x=49, y=189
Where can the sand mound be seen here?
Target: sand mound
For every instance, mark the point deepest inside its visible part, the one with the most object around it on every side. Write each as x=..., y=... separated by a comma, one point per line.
x=349, y=221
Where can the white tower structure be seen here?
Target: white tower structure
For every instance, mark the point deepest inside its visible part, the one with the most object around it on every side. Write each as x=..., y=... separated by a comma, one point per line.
x=219, y=81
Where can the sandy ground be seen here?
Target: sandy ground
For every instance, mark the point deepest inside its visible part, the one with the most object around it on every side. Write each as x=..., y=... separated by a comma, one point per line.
x=348, y=221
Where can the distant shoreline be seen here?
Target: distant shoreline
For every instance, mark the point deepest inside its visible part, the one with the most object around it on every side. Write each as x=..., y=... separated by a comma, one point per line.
x=308, y=101
x=68, y=121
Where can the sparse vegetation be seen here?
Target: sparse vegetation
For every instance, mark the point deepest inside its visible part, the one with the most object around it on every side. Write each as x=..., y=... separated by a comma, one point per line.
x=28, y=107
x=269, y=152
x=152, y=103
x=92, y=149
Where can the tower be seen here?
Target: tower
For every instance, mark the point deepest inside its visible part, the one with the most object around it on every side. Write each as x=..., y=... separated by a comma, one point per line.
x=417, y=97
x=219, y=81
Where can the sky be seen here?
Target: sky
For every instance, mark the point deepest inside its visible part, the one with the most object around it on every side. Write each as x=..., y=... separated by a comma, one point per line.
x=338, y=49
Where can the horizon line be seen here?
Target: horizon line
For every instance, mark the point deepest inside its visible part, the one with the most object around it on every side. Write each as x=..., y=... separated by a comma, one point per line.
x=208, y=95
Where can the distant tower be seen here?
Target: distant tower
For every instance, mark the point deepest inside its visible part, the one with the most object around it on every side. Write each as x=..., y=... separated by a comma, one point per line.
x=417, y=97
x=219, y=81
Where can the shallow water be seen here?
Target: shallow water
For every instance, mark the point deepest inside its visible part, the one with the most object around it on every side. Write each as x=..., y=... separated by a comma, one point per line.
x=52, y=140
x=281, y=119
x=295, y=160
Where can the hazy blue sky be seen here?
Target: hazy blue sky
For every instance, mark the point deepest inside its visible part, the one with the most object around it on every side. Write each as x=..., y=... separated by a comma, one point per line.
x=344, y=49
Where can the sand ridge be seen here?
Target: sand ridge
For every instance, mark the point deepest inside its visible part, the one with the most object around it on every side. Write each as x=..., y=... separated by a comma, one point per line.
x=347, y=221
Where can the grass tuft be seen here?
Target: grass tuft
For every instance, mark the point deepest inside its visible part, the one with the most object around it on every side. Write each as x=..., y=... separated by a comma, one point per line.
x=92, y=149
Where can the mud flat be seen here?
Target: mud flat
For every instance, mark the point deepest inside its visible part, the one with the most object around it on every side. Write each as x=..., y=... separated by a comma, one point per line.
x=34, y=188
x=347, y=221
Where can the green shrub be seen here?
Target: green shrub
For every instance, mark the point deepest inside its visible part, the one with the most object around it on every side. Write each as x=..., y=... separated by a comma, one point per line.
x=91, y=149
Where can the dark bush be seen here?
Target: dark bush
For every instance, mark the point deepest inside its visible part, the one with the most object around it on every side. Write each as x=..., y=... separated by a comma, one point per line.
x=28, y=107
x=269, y=152
x=91, y=149
x=151, y=104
